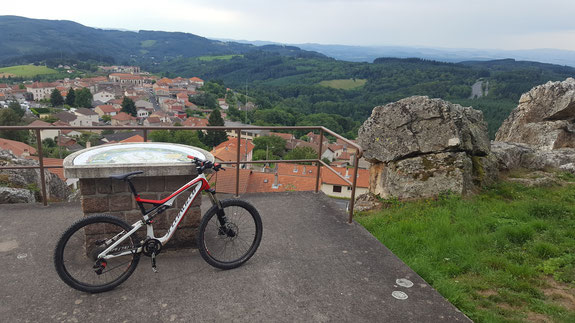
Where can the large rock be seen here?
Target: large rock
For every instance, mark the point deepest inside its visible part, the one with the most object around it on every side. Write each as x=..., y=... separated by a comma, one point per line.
x=29, y=179
x=544, y=117
x=9, y=195
x=511, y=156
x=421, y=147
x=419, y=125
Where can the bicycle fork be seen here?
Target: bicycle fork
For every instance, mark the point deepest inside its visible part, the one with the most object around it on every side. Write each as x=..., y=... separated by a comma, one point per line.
x=224, y=228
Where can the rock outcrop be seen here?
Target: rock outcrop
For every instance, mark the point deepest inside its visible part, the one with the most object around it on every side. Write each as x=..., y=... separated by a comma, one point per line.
x=544, y=118
x=420, y=147
x=511, y=156
x=16, y=181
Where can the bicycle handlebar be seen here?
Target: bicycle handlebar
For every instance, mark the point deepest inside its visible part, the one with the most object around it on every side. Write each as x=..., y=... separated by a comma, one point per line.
x=203, y=165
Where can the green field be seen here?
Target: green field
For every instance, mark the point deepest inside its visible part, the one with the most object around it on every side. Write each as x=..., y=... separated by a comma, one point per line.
x=148, y=43
x=220, y=57
x=26, y=71
x=505, y=255
x=344, y=84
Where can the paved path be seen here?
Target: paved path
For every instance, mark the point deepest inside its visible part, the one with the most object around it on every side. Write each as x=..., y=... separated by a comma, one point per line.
x=311, y=267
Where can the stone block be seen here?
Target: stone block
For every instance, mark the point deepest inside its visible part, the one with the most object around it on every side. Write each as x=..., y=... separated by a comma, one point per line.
x=175, y=182
x=119, y=186
x=95, y=204
x=87, y=186
x=156, y=184
x=192, y=218
x=120, y=202
x=140, y=183
x=103, y=185
x=132, y=217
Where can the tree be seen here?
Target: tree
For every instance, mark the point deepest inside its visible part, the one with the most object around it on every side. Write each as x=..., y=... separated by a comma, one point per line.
x=301, y=153
x=273, y=145
x=215, y=137
x=106, y=118
x=184, y=137
x=84, y=98
x=71, y=97
x=129, y=107
x=17, y=108
x=9, y=117
x=56, y=98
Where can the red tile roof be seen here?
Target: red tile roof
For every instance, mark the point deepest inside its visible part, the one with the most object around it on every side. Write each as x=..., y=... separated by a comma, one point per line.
x=39, y=123
x=329, y=177
x=227, y=150
x=136, y=138
x=123, y=116
x=195, y=122
x=52, y=162
x=16, y=147
x=225, y=182
x=286, y=136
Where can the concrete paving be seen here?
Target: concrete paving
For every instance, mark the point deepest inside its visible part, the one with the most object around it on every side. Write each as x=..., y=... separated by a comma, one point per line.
x=311, y=267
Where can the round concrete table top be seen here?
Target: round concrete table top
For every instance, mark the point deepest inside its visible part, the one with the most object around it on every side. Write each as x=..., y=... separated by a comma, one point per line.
x=154, y=158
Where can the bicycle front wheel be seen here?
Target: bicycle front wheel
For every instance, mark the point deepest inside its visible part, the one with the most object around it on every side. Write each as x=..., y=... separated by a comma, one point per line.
x=76, y=254
x=229, y=237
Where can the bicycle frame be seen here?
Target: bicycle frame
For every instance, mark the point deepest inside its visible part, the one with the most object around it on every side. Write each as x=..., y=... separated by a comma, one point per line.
x=198, y=184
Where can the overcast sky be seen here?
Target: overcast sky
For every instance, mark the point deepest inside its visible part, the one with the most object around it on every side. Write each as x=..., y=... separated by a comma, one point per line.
x=485, y=24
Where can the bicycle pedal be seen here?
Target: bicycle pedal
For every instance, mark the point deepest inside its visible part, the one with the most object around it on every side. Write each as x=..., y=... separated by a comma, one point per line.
x=154, y=269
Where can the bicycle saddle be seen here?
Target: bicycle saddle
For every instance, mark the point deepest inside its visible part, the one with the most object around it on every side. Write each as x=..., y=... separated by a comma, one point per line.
x=123, y=177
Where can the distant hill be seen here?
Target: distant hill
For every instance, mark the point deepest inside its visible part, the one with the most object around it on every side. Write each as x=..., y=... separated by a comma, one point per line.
x=25, y=40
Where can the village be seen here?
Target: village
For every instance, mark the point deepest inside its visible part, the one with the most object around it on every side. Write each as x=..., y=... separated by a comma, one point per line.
x=163, y=102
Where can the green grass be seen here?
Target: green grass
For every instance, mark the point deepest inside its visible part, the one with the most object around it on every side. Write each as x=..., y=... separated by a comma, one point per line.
x=220, y=57
x=344, y=84
x=493, y=256
x=27, y=70
x=148, y=43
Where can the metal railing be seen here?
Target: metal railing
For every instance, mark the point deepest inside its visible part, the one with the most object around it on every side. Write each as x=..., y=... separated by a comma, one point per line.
x=322, y=132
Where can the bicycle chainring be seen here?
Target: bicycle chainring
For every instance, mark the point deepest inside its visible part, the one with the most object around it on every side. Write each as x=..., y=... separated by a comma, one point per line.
x=151, y=246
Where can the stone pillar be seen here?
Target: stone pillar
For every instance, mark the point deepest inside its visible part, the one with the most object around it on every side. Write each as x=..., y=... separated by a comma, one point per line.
x=165, y=168
x=113, y=197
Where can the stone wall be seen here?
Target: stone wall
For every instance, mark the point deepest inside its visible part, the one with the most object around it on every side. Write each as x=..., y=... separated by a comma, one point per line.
x=107, y=196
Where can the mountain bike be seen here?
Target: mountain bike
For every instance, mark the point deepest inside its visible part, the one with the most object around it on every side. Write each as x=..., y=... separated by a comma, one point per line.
x=98, y=253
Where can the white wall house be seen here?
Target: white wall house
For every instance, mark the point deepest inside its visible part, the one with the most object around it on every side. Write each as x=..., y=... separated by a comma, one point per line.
x=103, y=96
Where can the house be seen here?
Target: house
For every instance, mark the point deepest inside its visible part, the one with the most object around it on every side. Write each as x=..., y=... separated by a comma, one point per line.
x=197, y=81
x=153, y=122
x=40, y=90
x=103, y=96
x=123, y=135
x=106, y=110
x=46, y=133
x=66, y=132
x=144, y=104
x=333, y=185
x=124, y=119
x=17, y=148
x=69, y=118
x=223, y=104
x=68, y=143
x=86, y=116
x=285, y=136
x=142, y=113
x=249, y=134
x=227, y=150
x=195, y=122
x=126, y=79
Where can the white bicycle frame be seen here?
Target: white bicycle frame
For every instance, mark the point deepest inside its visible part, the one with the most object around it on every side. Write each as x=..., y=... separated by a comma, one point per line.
x=197, y=184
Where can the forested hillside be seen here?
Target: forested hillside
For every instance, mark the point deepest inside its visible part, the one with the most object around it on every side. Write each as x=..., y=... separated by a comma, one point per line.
x=290, y=87
x=25, y=40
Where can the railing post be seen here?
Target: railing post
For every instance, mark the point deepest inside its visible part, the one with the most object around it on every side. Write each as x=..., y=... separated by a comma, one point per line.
x=352, y=202
x=145, y=135
x=319, y=158
x=41, y=161
x=239, y=131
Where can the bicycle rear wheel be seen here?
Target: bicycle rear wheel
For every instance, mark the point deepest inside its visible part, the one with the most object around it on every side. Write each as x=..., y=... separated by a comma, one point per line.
x=228, y=245
x=75, y=257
